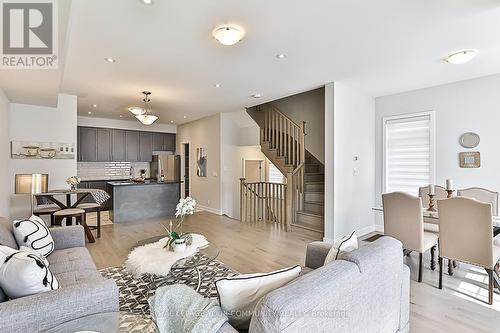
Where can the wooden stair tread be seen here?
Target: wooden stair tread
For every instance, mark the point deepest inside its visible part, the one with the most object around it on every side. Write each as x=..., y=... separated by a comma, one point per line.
x=307, y=228
x=304, y=212
x=315, y=191
x=315, y=202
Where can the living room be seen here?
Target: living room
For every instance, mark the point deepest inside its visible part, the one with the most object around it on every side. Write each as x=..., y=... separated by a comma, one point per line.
x=160, y=158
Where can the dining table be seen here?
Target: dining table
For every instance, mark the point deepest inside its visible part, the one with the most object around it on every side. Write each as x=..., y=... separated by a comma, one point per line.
x=98, y=195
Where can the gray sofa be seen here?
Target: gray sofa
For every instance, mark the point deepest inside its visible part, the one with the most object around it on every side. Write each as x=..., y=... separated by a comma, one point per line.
x=367, y=291
x=83, y=290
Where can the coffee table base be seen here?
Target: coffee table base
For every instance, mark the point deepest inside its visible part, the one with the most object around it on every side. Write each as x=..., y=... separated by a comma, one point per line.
x=162, y=281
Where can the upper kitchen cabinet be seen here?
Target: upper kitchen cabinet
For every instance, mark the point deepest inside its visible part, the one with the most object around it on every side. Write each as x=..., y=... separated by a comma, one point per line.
x=132, y=146
x=145, y=146
x=104, y=144
x=118, y=145
x=163, y=141
x=87, y=143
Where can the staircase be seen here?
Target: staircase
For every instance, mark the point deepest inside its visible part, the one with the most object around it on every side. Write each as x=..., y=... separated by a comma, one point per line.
x=282, y=141
x=310, y=219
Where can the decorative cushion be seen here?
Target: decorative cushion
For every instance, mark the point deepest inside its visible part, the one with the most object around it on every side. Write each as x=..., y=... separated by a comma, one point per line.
x=344, y=245
x=238, y=295
x=34, y=234
x=25, y=273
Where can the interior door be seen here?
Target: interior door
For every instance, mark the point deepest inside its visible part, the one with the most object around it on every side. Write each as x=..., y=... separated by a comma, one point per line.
x=254, y=171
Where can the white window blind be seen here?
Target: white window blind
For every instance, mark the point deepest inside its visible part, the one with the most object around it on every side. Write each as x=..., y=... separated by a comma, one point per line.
x=275, y=176
x=408, y=152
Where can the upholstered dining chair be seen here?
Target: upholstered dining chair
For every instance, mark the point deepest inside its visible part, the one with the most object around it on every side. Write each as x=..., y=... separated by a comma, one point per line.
x=483, y=195
x=466, y=235
x=45, y=207
x=403, y=220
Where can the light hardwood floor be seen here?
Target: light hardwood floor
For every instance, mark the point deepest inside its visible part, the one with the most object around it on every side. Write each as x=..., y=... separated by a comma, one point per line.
x=261, y=247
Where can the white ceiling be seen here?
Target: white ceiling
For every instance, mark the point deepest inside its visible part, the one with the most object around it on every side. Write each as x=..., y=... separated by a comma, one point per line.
x=381, y=47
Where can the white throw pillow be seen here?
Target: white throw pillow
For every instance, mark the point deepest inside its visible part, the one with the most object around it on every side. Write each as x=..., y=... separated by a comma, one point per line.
x=25, y=273
x=238, y=295
x=344, y=245
x=33, y=233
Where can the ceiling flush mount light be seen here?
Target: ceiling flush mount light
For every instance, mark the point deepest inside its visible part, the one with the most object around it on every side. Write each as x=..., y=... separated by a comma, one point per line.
x=461, y=57
x=228, y=34
x=281, y=56
x=111, y=60
x=257, y=95
x=147, y=2
x=137, y=111
x=147, y=119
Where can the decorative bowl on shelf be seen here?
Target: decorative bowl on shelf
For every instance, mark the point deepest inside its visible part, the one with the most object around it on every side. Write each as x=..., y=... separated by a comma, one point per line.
x=47, y=153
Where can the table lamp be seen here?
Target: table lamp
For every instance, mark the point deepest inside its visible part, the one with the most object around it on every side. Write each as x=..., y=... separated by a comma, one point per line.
x=31, y=184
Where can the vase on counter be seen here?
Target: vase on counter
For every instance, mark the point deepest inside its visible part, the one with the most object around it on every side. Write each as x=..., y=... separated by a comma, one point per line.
x=179, y=245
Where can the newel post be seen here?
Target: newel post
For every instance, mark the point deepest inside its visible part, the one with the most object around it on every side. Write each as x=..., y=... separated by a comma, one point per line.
x=242, y=184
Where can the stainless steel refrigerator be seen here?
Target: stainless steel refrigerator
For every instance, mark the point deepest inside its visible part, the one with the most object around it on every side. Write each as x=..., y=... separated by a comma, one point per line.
x=169, y=164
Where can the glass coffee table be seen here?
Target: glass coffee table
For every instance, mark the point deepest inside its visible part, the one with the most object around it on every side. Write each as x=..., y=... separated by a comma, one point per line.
x=202, y=257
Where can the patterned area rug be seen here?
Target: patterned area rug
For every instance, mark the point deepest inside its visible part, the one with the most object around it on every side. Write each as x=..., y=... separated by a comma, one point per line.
x=134, y=292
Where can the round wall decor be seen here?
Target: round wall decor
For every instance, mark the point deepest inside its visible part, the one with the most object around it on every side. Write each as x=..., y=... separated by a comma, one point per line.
x=469, y=140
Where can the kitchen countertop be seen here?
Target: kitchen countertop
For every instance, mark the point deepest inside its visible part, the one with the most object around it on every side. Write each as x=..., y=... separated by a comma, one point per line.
x=147, y=182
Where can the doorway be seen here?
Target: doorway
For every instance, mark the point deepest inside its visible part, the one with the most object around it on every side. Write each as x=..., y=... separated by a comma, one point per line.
x=254, y=171
x=185, y=188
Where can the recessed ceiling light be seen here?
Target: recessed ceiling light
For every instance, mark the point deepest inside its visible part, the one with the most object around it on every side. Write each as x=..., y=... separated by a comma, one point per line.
x=281, y=56
x=171, y=121
x=217, y=85
x=110, y=60
x=461, y=57
x=89, y=112
x=147, y=2
x=185, y=117
x=94, y=105
x=228, y=34
x=121, y=116
x=256, y=95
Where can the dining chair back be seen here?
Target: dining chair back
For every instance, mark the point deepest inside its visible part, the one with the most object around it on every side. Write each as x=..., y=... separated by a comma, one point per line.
x=403, y=219
x=466, y=231
x=423, y=193
x=483, y=195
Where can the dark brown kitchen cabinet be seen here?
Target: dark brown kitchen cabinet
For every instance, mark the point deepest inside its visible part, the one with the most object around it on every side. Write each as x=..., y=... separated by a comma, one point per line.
x=118, y=145
x=132, y=146
x=145, y=146
x=88, y=144
x=158, y=141
x=164, y=141
x=169, y=141
x=104, y=144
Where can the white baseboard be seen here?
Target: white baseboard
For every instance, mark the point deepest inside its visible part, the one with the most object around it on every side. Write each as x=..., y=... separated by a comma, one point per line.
x=209, y=209
x=360, y=232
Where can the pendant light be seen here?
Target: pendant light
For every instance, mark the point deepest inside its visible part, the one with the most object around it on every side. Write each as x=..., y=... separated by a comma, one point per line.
x=145, y=118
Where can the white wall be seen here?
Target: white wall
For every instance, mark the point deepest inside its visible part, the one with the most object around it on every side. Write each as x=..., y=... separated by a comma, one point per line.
x=309, y=107
x=203, y=133
x=5, y=188
x=47, y=124
x=125, y=124
x=234, y=150
x=353, y=180
x=466, y=106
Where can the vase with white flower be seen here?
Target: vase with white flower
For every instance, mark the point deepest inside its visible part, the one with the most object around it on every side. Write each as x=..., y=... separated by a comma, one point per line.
x=73, y=182
x=177, y=240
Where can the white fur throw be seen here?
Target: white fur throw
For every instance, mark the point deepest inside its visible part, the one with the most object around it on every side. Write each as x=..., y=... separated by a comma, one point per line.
x=154, y=259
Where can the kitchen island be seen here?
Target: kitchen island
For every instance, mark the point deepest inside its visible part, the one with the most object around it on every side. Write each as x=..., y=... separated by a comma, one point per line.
x=131, y=201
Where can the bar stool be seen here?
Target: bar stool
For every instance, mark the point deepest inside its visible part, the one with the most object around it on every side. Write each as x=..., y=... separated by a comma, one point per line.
x=79, y=215
x=91, y=207
x=41, y=210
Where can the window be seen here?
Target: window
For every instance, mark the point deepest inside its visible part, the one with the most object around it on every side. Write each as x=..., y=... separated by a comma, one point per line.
x=274, y=175
x=408, y=152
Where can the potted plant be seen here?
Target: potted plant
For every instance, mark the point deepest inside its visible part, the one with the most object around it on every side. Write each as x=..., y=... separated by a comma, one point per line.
x=73, y=182
x=178, y=240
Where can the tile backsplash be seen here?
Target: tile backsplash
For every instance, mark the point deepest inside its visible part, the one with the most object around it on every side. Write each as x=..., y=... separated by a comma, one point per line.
x=110, y=170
